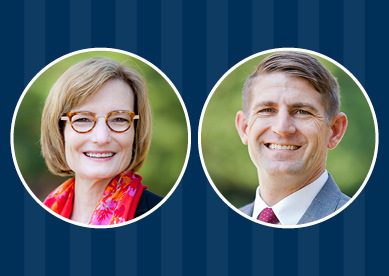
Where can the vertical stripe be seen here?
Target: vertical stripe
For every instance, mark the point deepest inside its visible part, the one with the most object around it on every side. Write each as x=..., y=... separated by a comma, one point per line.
x=331, y=28
x=354, y=59
x=126, y=25
x=80, y=243
x=239, y=245
x=14, y=201
x=171, y=211
x=285, y=23
x=331, y=246
x=103, y=23
x=103, y=244
x=126, y=250
x=239, y=31
x=80, y=258
x=262, y=25
x=308, y=24
x=126, y=238
x=149, y=47
x=285, y=252
x=308, y=251
x=194, y=184
x=308, y=238
x=57, y=29
x=376, y=191
x=262, y=250
x=217, y=211
x=57, y=246
x=80, y=20
x=149, y=31
x=34, y=60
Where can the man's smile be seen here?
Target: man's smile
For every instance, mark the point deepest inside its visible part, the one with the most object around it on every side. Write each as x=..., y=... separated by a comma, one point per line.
x=274, y=146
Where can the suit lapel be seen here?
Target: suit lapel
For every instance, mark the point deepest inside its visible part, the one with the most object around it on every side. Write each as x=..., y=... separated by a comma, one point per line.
x=325, y=202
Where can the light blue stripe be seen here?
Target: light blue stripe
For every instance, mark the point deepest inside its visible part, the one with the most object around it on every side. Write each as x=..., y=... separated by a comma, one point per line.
x=34, y=216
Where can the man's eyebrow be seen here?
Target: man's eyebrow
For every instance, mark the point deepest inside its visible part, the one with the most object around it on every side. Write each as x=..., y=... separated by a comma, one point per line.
x=304, y=105
x=263, y=104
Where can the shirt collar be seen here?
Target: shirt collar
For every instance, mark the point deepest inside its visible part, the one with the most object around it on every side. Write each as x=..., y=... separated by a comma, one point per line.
x=291, y=208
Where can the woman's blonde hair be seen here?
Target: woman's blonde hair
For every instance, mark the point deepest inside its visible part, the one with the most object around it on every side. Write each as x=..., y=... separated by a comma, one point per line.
x=74, y=87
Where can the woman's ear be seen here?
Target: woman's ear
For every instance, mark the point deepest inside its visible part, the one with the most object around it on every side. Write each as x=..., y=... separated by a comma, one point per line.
x=338, y=128
x=241, y=126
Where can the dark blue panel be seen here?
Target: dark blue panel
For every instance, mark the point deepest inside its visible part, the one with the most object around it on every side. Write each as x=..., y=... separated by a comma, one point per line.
x=57, y=246
x=194, y=42
x=80, y=29
x=57, y=29
x=194, y=182
x=149, y=245
x=331, y=29
x=285, y=252
x=149, y=30
x=285, y=23
x=103, y=23
x=103, y=252
x=308, y=24
x=331, y=246
x=239, y=31
x=239, y=245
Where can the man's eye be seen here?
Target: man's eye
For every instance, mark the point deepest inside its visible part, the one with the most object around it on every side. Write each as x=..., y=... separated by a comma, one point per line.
x=302, y=112
x=266, y=110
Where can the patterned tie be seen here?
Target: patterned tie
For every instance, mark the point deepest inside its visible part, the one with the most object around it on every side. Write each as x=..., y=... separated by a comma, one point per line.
x=267, y=215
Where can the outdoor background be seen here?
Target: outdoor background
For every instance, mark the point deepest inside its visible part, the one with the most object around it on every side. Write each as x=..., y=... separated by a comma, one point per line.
x=169, y=131
x=228, y=162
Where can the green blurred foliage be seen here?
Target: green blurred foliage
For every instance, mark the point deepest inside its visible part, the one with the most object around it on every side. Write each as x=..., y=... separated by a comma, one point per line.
x=227, y=159
x=169, y=130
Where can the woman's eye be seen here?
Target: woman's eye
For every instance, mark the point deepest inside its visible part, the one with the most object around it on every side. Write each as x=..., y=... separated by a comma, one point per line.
x=119, y=120
x=82, y=120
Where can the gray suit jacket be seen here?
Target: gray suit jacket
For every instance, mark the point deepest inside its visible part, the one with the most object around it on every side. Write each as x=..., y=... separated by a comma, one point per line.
x=328, y=200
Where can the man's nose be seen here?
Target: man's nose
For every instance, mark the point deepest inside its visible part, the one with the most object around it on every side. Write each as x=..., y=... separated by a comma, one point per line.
x=101, y=134
x=283, y=124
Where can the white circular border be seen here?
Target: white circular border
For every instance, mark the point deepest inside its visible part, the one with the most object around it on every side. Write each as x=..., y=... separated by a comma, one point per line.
x=314, y=54
x=187, y=124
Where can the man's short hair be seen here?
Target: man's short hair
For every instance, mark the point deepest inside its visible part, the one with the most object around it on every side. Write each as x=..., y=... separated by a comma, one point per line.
x=300, y=65
x=74, y=87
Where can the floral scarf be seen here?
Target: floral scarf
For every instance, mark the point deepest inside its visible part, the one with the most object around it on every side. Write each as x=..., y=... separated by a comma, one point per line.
x=117, y=204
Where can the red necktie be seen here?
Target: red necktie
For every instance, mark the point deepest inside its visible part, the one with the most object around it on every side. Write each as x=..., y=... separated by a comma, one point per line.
x=267, y=215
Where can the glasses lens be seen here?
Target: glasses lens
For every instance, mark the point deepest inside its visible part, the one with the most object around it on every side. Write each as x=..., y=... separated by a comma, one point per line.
x=119, y=121
x=82, y=122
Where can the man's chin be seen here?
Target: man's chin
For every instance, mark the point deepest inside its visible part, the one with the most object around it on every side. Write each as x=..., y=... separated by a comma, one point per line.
x=283, y=169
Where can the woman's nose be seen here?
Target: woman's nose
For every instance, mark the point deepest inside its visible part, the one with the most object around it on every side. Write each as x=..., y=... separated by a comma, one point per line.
x=283, y=124
x=101, y=134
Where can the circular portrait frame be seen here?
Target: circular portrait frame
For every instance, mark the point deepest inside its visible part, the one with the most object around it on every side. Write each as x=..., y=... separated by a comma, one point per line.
x=227, y=165
x=172, y=107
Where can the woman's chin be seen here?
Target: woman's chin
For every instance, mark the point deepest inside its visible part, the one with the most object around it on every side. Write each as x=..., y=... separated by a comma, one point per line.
x=96, y=175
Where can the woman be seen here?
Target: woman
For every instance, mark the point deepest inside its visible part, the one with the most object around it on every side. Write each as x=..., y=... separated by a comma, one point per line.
x=96, y=127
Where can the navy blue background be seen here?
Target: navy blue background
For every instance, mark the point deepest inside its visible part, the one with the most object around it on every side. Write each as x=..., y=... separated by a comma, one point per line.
x=194, y=43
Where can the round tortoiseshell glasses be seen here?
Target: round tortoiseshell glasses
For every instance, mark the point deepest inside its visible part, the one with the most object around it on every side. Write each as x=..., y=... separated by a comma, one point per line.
x=84, y=121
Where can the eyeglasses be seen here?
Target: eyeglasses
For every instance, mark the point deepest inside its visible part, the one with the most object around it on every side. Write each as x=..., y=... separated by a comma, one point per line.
x=83, y=122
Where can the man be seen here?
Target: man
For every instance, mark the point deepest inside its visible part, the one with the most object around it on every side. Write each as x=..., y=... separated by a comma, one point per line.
x=289, y=120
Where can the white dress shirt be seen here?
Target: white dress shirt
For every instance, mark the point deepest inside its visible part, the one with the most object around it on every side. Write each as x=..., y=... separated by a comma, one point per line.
x=291, y=208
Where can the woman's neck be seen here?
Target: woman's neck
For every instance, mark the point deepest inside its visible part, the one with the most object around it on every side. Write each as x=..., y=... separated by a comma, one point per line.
x=87, y=193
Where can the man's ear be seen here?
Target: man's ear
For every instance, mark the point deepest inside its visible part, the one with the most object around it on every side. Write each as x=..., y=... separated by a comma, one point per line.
x=241, y=126
x=338, y=128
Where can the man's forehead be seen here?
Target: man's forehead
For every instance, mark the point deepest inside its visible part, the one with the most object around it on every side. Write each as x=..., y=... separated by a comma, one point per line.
x=274, y=88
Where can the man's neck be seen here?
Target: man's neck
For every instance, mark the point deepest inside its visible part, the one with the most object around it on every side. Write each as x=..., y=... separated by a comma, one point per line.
x=275, y=188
